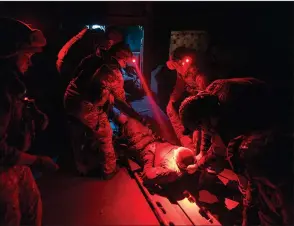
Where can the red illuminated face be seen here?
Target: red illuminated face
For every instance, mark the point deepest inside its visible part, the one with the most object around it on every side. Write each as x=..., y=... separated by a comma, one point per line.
x=181, y=66
x=24, y=61
x=186, y=61
x=133, y=62
x=125, y=61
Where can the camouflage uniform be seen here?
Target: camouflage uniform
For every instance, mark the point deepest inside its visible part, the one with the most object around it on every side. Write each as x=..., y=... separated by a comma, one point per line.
x=268, y=187
x=187, y=85
x=153, y=154
x=243, y=96
x=20, y=201
x=87, y=98
x=262, y=156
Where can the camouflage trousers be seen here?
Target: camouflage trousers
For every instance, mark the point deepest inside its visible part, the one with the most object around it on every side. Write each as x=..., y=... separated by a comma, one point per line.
x=100, y=152
x=270, y=193
x=272, y=207
x=20, y=200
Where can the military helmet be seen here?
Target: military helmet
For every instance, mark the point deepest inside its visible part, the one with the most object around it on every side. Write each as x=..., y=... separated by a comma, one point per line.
x=17, y=36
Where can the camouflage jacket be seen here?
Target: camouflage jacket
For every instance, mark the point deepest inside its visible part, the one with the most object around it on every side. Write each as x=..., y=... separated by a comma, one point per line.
x=244, y=105
x=187, y=85
x=12, y=92
x=98, y=88
x=263, y=156
x=265, y=159
x=239, y=98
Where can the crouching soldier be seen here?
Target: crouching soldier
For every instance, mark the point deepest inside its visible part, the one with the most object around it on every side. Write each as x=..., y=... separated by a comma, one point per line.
x=237, y=110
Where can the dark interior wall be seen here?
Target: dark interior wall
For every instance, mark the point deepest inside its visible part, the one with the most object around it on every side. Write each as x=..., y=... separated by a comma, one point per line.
x=258, y=35
x=249, y=39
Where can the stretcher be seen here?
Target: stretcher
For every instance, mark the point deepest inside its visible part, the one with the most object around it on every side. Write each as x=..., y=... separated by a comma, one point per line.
x=176, y=212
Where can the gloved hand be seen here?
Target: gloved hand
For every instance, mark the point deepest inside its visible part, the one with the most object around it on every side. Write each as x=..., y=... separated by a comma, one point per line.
x=45, y=163
x=192, y=168
x=199, y=156
x=198, y=165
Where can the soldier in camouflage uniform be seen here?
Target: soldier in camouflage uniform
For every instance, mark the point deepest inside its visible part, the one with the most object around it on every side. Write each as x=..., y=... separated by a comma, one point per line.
x=88, y=97
x=238, y=111
x=191, y=67
x=20, y=201
x=162, y=162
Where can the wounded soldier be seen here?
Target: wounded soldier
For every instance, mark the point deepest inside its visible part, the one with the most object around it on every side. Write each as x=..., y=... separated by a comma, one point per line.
x=161, y=161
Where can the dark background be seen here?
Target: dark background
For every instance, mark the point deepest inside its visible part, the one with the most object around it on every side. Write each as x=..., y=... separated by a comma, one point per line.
x=257, y=37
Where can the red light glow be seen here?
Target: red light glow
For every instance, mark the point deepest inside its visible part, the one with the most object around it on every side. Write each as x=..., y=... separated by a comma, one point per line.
x=152, y=102
x=186, y=61
x=134, y=60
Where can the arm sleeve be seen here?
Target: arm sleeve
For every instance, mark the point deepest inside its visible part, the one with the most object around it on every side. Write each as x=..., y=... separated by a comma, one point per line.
x=205, y=142
x=202, y=82
x=118, y=92
x=115, y=84
x=64, y=52
x=172, y=112
x=8, y=155
x=206, y=159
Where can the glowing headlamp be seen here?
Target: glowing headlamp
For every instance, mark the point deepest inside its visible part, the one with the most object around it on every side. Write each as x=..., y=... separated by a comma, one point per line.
x=186, y=60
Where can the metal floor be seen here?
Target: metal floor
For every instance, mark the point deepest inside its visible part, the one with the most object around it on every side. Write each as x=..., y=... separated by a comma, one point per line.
x=77, y=201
